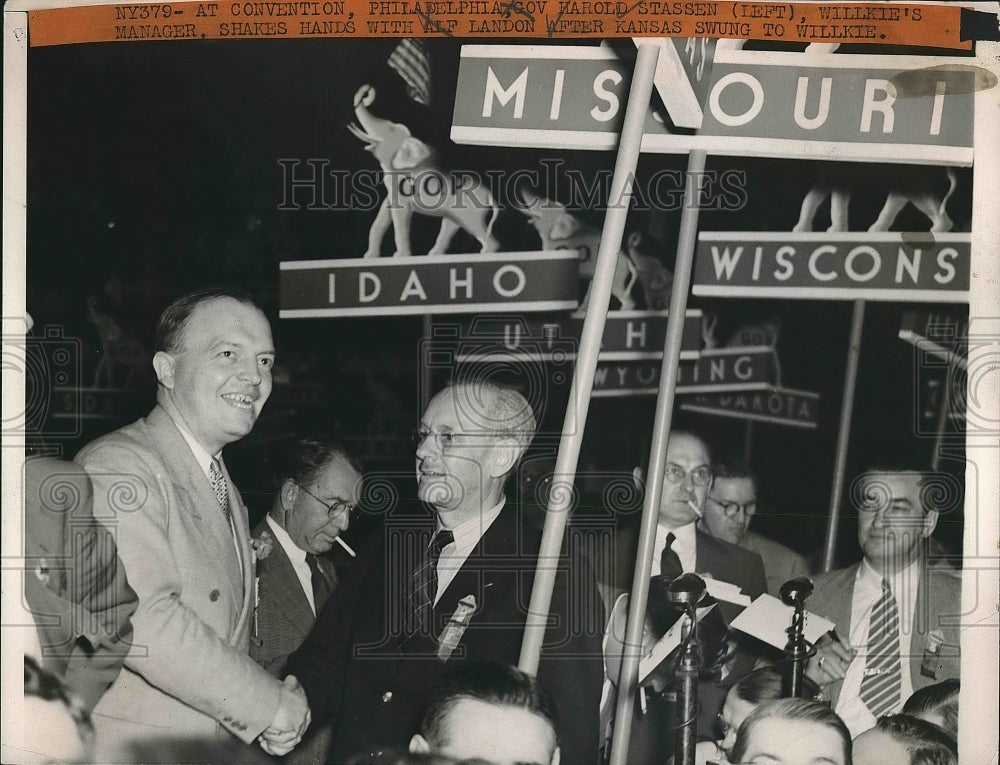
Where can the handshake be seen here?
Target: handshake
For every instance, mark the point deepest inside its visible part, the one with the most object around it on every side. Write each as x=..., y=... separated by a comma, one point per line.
x=290, y=720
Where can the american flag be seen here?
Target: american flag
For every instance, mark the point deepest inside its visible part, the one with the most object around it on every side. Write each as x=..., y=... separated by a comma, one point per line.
x=411, y=62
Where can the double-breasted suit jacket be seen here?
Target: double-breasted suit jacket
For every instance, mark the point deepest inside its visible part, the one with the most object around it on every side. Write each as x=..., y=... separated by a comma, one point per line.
x=933, y=635
x=188, y=675
x=359, y=669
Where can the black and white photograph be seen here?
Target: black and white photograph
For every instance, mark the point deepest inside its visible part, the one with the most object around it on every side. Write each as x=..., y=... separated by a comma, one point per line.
x=544, y=398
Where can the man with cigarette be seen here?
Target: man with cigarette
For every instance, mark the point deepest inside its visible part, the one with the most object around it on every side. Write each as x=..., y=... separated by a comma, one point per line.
x=318, y=492
x=430, y=593
x=680, y=547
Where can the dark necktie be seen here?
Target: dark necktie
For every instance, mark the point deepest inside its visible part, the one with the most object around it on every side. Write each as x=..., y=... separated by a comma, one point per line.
x=321, y=584
x=425, y=582
x=219, y=486
x=882, y=683
x=670, y=562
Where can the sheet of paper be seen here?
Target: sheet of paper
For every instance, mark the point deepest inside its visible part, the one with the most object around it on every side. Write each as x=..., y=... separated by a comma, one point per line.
x=670, y=640
x=767, y=619
x=730, y=593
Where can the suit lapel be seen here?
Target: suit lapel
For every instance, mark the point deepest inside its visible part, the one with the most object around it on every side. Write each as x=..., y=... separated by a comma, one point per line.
x=287, y=591
x=190, y=481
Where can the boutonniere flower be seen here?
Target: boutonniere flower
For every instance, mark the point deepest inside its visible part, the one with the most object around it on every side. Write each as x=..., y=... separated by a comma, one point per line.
x=262, y=546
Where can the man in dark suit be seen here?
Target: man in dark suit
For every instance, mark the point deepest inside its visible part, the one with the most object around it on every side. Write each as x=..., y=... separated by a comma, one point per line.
x=426, y=595
x=681, y=547
x=182, y=532
x=318, y=492
x=891, y=609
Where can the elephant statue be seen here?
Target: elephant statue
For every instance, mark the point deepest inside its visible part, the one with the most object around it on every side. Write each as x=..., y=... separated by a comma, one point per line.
x=915, y=185
x=561, y=230
x=416, y=183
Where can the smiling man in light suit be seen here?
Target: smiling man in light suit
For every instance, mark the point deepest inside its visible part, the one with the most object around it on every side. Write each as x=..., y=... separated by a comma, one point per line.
x=161, y=486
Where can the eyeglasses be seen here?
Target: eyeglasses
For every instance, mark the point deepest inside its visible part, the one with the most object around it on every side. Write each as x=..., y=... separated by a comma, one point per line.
x=700, y=476
x=732, y=509
x=335, y=508
x=444, y=439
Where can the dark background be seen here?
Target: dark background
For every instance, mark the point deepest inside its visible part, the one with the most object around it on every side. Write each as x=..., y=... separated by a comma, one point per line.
x=153, y=168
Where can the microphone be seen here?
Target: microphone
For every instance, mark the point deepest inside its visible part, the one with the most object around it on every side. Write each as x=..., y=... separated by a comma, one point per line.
x=686, y=591
x=795, y=591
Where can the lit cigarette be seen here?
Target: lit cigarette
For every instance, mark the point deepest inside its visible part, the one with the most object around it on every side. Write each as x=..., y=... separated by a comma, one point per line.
x=350, y=551
x=697, y=510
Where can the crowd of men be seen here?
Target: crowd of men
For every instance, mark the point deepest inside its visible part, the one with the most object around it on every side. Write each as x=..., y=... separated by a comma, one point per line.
x=208, y=642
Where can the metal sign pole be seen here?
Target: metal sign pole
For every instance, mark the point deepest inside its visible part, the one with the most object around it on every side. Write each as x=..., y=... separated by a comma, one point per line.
x=632, y=649
x=844, y=435
x=586, y=361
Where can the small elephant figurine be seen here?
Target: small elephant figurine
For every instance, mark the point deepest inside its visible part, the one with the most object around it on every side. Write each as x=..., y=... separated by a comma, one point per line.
x=560, y=230
x=416, y=183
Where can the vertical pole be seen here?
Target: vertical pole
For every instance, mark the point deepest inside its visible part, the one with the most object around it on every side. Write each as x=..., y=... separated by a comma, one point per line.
x=586, y=360
x=631, y=653
x=748, y=441
x=844, y=435
x=945, y=413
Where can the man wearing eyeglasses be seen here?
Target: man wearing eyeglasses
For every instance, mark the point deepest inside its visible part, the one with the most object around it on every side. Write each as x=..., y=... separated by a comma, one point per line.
x=452, y=587
x=732, y=503
x=680, y=547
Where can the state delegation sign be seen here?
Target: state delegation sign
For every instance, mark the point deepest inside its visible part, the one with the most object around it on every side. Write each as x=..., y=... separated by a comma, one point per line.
x=764, y=104
x=521, y=281
x=778, y=406
x=833, y=266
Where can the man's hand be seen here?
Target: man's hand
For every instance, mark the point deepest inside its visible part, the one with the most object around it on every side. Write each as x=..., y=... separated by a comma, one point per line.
x=830, y=662
x=290, y=720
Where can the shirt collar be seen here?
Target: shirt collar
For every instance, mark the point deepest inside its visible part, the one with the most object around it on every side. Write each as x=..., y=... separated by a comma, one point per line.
x=900, y=581
x=468, y=533
x=201, y=455
x=295, y=553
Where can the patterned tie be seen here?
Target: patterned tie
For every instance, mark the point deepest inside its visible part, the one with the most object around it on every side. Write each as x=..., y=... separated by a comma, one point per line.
x=670, y=562
x=321, y=584
x=881, y=685
x=425, y=582
x=219, y=486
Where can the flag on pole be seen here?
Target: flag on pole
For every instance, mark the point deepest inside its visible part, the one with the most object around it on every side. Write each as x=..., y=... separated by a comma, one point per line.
x=411, y=62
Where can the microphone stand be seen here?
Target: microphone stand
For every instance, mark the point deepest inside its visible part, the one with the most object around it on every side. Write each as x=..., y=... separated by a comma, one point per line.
x=797, y=650
x=687, y=591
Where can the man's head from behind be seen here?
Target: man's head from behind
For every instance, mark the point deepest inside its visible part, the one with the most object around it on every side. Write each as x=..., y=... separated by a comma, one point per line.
x=937, y=704
x=318, y=489
x=793, y=732
x=213, y=361
x=893, y=520
x=467, y=443
x=492, y=712
x=905, y=740
x=732, y=500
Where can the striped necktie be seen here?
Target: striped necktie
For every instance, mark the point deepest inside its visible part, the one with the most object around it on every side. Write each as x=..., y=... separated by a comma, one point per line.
x=219, y=487
x=424, y=583
x=882, y=683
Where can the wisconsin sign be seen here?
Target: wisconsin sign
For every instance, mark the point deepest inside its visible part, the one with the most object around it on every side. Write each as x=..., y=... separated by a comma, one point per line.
x=830, y=266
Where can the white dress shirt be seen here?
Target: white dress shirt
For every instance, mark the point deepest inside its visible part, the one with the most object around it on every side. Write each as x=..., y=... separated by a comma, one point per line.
x=204, y=460
x=297, y=557
x=684, y=546
x=867, y=592
x=467, y=536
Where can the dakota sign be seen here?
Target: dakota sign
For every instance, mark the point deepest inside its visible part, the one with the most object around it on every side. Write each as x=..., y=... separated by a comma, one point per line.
x=831, y=266
x=522, y=281
x=765, y=104
x=628, y=335
x=715, y=370
x=779, y=406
